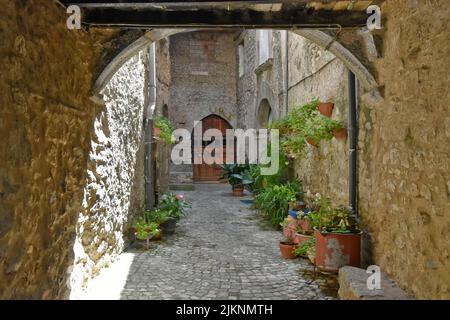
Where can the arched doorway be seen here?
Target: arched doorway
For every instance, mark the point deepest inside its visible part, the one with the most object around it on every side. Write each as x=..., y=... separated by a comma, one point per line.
x=205, y=172
x=264, y=116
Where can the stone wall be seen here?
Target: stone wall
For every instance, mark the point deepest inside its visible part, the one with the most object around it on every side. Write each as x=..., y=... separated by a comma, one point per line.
x=163, y=105
x=46, y=123
x=107, y=206
x=203, y=77
x=57, y=143
x=404, y=177
x=315, y=73
x=404, y=181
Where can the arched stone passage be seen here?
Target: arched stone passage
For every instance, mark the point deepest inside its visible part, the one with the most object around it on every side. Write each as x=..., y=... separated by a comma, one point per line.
x=133, y=47
x=318, y=37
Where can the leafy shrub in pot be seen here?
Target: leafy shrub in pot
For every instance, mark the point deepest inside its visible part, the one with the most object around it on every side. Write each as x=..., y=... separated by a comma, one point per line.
x=338, y=241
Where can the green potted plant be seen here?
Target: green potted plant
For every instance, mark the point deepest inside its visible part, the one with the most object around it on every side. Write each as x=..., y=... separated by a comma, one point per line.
x=175, y=207
x=145, y=230
x=238, y=177
x=273, y=201
x=287, y=248
x=162, y=130
x=338, y=241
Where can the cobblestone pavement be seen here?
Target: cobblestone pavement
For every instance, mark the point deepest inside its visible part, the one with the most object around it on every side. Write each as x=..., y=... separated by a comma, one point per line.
x=220, y=252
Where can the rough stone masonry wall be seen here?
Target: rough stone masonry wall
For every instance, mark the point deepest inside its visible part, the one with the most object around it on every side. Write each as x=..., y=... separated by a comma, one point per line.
x=45, y=124
x=316, y=73
x=246, y=84
x=404, y=149
x=107, y=203
x=313, y=73
x=163, y=78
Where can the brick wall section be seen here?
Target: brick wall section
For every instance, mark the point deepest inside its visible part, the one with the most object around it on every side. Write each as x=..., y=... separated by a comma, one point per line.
x=203, y=70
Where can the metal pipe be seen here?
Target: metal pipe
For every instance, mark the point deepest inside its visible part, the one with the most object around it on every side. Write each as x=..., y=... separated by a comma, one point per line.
x=353, y=142
x=148, y=131
x=286, y=74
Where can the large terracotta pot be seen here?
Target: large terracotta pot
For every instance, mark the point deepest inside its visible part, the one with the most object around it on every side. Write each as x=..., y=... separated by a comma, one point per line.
x=300, y=238
x=238, y=191
x=335, y=250
x=326, y=108
x=287, y=250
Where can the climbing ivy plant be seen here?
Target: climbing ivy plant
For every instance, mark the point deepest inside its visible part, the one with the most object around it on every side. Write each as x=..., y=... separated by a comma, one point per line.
x=165, y=129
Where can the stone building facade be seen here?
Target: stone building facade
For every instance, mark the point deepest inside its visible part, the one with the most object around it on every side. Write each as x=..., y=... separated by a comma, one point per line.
x=305, y=71
x=202, y=84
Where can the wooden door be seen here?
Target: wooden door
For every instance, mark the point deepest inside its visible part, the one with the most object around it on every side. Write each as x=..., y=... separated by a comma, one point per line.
x=205, y=172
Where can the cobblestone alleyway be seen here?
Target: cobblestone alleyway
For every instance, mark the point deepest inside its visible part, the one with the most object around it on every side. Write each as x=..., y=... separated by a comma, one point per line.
x=218, y=252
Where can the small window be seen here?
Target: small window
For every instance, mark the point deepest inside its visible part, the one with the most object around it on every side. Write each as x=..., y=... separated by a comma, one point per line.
x=241, y=62
x=264, y=45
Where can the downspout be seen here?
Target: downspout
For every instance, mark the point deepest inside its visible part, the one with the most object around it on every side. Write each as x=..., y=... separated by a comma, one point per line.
x=353, y=142
x=148, y=167
x=286, y=74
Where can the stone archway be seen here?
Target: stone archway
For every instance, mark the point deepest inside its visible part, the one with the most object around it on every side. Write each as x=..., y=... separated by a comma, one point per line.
x=322, y=39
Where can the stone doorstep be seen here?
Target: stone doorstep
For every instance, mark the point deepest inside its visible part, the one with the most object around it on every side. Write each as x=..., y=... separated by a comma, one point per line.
x=353, y=286
x=182, y=187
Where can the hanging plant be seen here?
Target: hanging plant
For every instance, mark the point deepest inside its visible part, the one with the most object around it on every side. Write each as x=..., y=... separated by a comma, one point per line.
x=163, y=130
x=305, y=125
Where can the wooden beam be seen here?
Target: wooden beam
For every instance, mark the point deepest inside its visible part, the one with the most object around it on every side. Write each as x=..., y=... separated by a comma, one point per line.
x=298, y=18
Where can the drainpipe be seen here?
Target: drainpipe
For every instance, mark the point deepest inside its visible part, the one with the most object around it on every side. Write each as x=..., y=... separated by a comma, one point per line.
x=286, y=74
x=148, y=165
x=353, y=142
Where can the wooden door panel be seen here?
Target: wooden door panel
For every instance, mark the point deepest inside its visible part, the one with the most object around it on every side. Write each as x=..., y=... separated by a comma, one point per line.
x=206, y=172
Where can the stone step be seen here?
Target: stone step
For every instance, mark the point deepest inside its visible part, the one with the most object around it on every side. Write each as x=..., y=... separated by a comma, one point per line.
x=181, y=177
x=181, y=167
x=182, y=187
x=353, y=286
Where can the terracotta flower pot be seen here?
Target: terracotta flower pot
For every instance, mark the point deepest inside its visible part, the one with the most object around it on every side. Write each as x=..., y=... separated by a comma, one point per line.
x=326, y=108
x=156, y=132
x=287, y=250
x=311, y=142
x=340, y=134
x=335, y=250
x=299, y=238
x=238, y=191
